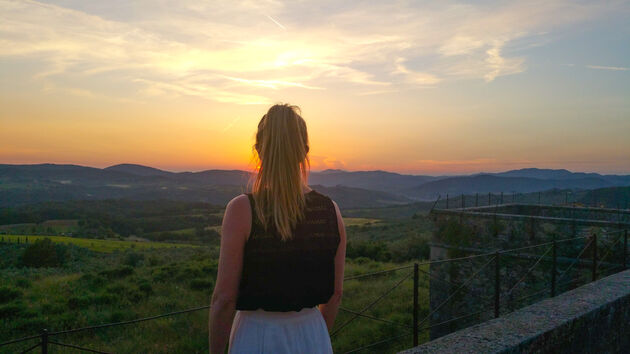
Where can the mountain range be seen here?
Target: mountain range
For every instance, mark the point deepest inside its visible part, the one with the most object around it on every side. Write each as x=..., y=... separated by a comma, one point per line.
x=24, y=184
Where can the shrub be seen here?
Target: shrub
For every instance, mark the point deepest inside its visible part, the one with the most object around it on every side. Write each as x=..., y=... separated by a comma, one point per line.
x=22, y=283
x=9, y=294
x=414, y=248
x=145, y=287
x=117, y=289
x=376, y=250
x=135, y=295
x=362, y=260
x=52, y=309
x=41, y=253
x=104, y=299
x=32, y=325
x=164, y=272
x=119, y=272
x=93, y=280
x=77, y=302
x=189, y=272
x=12, y=310
x=201, y=284
x=119, y=316
x=209, y=268
x=133, y=258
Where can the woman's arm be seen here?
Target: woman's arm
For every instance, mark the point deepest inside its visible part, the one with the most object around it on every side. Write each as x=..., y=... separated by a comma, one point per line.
x=329, y=310
x=234, y=231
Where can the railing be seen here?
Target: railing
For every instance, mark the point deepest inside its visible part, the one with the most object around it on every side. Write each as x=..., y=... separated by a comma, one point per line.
x=548, y=198
x=490, y=259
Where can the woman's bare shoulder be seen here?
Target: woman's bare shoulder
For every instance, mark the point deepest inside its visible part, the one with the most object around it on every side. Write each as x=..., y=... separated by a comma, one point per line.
x=238, y=205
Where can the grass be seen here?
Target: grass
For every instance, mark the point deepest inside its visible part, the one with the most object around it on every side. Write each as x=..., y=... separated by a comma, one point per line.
x=106, y=246
x=100, y=287
x=347, y=222
x=170, y=279
x=359, y=221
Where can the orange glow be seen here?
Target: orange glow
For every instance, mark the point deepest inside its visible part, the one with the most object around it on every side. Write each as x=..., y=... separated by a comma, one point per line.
x=460, y=89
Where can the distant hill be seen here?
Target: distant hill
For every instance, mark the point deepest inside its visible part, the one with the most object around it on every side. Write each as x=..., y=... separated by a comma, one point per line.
x=215, y=177
x=376, y=180
x=24, y=184
x=562, y=175
x=495, y=184
x=350, y=197
x=614, y=197
x=27, y=184
x=138, y=170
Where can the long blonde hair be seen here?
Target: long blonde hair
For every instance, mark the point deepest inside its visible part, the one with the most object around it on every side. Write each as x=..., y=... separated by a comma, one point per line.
x=281, y=156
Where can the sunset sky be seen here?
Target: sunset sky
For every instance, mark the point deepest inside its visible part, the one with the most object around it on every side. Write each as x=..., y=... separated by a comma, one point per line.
x=421, y=87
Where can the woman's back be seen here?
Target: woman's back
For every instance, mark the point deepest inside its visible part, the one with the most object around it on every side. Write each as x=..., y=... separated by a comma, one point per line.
x=281, y=263
x=293, y=274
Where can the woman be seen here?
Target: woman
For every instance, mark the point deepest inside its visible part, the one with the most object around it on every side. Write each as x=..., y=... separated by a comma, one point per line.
x=282, y=253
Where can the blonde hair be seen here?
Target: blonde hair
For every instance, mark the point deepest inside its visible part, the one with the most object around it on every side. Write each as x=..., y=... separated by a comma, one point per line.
x=281, y=155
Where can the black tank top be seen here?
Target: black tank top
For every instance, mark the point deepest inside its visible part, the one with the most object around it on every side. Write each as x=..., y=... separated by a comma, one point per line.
x=294, y=274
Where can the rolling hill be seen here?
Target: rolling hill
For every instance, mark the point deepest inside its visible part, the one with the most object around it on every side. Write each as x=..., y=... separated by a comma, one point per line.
x=24, y=184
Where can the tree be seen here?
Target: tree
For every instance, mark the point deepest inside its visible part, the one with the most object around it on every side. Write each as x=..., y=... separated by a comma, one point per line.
x=41, y=253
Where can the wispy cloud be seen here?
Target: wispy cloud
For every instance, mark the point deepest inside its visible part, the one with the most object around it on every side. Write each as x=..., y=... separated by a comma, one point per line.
x=233, y=52
x=326, y=162
x=272, y=84
x=614, y=68
x=421, y=78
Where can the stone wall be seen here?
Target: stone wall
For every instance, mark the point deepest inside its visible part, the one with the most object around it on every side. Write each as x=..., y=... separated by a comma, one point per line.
x=594, y=318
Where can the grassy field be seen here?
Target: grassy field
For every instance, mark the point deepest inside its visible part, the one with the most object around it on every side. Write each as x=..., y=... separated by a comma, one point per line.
x=106, y=246
x=58, y=300
x=347, y=222
x=360, y=221
x=104, y=281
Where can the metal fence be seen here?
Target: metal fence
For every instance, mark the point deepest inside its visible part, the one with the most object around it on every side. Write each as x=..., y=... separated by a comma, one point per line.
x=548, y=198
x=490, y=260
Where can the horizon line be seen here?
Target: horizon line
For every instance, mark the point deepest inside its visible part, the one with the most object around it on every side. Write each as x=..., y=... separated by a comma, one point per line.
x=448, y=174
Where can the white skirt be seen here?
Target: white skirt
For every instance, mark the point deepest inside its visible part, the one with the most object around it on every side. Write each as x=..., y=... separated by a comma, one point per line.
x=258, y=332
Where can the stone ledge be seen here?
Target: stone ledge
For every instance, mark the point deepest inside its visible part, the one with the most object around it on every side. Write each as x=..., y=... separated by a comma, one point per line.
x=592, y=318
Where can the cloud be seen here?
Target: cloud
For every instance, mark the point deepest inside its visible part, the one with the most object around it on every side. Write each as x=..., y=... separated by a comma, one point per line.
x=412, y=76
x=614, y=68
x=500, y=66
x=233, y=51
x=326, y=162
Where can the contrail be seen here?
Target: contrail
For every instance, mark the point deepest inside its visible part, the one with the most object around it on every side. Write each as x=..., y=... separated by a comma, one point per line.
x=231, y=124
x=276, y=22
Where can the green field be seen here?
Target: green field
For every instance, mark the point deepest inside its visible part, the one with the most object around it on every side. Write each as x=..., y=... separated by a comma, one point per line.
x=360, y=221
x=106, y=246
x=102, y=279
x=102, y=288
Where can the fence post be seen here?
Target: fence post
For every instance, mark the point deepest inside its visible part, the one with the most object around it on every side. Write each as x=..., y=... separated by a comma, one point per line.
x=594, y=256
x=44, y=341
x=625, y=249
x=553, y=268
x=501, y=197
x=476, y=199
x=497, y=285
x=463, y=201
x=489, y=198
x=415, y=304
x=446, y=200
